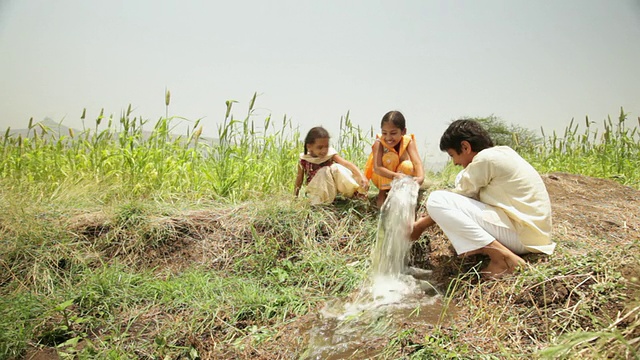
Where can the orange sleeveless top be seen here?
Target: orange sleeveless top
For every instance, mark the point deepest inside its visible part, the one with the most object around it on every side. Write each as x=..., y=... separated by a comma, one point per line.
x=404, y=143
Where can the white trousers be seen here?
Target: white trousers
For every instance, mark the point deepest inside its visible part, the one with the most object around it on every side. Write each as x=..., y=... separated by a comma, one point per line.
x=470, y=224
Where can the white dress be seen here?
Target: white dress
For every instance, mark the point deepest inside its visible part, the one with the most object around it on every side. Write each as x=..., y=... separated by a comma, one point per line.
x=329, y=180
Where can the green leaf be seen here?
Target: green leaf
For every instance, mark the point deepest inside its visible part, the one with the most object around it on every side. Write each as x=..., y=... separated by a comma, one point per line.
x=64, y=305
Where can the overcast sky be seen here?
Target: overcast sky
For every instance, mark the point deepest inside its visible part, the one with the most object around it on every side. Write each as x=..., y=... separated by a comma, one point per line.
x=531, y=63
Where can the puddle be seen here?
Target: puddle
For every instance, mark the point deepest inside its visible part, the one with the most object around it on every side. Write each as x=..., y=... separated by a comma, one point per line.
x=343, y=329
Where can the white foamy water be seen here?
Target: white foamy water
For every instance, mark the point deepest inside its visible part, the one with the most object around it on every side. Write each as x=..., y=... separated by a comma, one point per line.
x=392, y=290
x=389, y=282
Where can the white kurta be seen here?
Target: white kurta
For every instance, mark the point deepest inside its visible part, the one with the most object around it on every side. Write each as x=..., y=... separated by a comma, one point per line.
x=517, y=201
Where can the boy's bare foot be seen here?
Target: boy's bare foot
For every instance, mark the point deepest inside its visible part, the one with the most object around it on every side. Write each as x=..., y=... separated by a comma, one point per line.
x=492, y=272
x=499, y=268
x=502, y=260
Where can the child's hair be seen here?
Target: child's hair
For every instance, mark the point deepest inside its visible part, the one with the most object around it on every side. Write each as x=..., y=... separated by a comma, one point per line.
x=315, y=133
x=394, y=117
x=465, y=130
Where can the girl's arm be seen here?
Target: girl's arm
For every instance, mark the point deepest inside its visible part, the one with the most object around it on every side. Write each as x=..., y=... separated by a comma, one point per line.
x=417, y=162
x=362, y=180
x=377, y=162
x=299, y=179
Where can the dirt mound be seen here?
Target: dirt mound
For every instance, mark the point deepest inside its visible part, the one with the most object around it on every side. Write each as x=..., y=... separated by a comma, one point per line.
x=600, y=209
x=588, y=213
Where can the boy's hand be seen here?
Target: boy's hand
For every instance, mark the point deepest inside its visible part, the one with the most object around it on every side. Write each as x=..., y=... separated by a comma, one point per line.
x=420, y=226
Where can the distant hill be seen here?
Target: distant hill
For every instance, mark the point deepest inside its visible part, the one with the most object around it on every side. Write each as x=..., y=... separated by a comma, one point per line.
x=48, y=123
x=56, y=130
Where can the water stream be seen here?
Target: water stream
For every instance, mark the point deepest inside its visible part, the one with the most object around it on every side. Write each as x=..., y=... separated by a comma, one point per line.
x=392, y=292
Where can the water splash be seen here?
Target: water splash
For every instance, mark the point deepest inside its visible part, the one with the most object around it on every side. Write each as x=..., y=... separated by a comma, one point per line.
x=394, y=227
x=392, y=292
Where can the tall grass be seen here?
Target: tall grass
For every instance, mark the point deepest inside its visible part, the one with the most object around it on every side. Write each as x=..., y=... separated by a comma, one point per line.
x=612, y=151
x=247, y=159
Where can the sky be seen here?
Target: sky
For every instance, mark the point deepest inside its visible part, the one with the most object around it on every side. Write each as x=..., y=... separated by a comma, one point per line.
x=530, y=63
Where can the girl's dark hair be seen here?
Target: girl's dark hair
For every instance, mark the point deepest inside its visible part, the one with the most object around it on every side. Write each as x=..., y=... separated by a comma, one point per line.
x=396, y=118
x=317, y=132
x=465, y=130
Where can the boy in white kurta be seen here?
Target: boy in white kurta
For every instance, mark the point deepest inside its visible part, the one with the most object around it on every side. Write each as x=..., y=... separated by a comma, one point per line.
x=500, y=206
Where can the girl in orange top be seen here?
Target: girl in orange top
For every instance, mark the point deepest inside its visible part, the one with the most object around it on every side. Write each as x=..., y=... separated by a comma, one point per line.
x=394, y=155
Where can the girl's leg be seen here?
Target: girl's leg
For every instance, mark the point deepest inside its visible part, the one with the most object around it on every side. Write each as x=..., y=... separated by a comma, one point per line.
x=382, y=196
x=389, y=161
x=322, y=189
x=344, y=180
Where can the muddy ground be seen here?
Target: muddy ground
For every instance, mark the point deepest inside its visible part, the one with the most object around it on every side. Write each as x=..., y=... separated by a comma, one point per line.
x=588, y=214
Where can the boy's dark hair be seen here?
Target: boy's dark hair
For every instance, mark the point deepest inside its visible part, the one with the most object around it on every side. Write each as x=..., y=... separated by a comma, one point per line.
x=317, y=132
x=396, y=118
x=465, y=129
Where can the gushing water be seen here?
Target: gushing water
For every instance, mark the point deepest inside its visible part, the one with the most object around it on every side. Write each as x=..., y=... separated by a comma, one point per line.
x=392, y=291
x=396, y=217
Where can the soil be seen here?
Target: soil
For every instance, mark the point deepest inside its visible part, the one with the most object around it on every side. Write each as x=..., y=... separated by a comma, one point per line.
x=589, y=214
